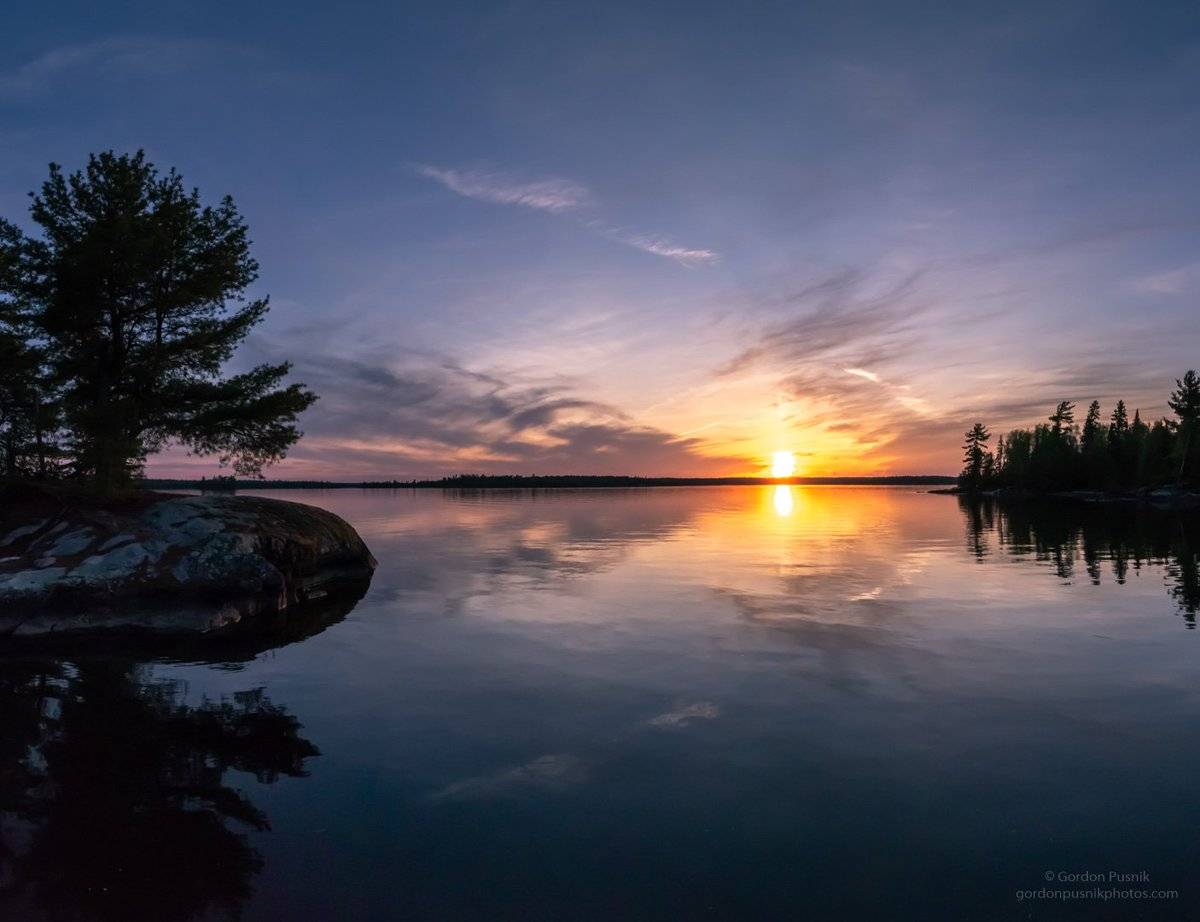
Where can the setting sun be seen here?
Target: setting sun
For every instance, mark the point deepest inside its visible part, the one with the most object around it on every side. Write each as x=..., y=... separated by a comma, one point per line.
x=783, y=464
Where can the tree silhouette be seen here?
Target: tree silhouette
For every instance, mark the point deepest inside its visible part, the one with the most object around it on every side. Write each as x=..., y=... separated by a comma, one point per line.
x=1090, y=436
x=1185, y=402
x=1056, y=455
x=1063, y=415
x=138, y=292
x=1118, y=426
x=28, y=411
x=975, y=455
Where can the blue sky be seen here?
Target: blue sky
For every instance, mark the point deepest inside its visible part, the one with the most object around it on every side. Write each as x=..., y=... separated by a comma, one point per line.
x=662, y=238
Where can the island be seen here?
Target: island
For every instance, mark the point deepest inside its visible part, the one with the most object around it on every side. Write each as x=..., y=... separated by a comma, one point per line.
x=118, y=318
x=1118, y=460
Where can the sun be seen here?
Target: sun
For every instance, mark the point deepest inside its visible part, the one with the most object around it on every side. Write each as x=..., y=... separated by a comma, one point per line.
x=783, y=464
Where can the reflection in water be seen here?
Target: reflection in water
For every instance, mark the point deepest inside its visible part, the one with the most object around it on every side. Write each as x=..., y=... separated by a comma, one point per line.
x=674, y=702
x=113, y=792
x=782, y=500
x=1116, y=537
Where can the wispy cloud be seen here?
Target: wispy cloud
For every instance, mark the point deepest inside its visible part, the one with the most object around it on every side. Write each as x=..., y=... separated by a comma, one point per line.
x=123, y=56
x=558, y=196
x=848, y=317
x=1171, y=282
x=554, y=195
x=418, y=415
x=661, y=246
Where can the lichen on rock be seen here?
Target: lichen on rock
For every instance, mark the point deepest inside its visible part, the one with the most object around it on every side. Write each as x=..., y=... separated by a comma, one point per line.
x=165, y=563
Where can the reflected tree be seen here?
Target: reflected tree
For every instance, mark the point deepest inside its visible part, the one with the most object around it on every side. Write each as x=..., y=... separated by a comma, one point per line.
x=114, y=792
x=1121, y=535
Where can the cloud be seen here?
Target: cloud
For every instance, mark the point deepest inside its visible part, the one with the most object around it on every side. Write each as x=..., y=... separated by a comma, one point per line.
x=553, y=195
x=660, y=246
x=657, y=245
x=558, y=196
x=863, y=373
x=422, y=415
x=130, y=56
x=1171, y=282
x=847, y=316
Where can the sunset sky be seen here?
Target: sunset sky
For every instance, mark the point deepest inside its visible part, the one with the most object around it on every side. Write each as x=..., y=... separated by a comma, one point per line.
x=661, y=238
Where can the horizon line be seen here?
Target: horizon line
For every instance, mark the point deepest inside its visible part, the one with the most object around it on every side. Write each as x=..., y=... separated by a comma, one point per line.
x=550, y=480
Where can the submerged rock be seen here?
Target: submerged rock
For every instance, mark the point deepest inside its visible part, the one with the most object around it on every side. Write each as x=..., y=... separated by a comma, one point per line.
x=160, y=563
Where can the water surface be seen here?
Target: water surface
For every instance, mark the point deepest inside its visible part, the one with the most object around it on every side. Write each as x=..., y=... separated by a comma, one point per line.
x=825, y=702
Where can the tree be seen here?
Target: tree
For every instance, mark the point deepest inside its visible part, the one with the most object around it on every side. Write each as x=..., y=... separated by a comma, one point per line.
x=975, y=456
x=139, y=292
x=1091, y=427
x=1185, y=402
x=1093, y=444
x=1118, y=426
x=1119, y=440
x=27, y=409
x=1063, y=416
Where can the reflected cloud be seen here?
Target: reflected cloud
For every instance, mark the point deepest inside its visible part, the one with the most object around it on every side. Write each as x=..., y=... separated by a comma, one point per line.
x=450, y=548
x=686, y=714
x=545, y=773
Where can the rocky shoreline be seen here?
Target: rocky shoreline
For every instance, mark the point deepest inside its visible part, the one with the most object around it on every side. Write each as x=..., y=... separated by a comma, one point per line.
x=1160, y=497
x=163, y=564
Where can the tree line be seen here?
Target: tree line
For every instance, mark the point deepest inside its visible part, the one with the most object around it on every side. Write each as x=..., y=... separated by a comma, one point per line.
x=116, y=319
x=1113, y=453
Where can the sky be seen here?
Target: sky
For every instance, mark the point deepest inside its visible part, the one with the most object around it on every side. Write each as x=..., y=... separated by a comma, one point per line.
x=660, y=238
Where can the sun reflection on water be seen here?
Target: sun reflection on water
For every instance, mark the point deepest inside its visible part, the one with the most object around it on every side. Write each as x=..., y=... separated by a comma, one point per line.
x=783, y=500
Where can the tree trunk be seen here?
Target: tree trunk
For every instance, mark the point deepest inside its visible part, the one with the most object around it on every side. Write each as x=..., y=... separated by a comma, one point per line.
x=1187, y=444
x=37, y=436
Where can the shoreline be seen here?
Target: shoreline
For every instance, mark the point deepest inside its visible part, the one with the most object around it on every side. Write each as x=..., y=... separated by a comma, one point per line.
x=1159, y=497
x=536, y=482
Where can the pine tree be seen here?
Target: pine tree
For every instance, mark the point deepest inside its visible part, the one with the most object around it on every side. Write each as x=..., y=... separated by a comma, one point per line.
x=1185, y=402
x=1118, y=426
x=1091, y=426
x=138, y=292
x=27, y=407
x=1063, y=416
x=975, y=455
x=1119, y=444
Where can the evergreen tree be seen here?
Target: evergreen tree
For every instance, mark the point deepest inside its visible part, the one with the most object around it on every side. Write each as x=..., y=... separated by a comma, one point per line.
x=1091, y=427
x=1155, y=465
x=1063, y=416
x=1118, y=445
x=1093, y=445
x=27, y=409
x=1185, y=402
x=138, y=291
x=1118, y=426
x=975, y=456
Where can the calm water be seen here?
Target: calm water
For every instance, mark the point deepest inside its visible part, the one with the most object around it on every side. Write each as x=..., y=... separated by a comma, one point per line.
x=675, y=703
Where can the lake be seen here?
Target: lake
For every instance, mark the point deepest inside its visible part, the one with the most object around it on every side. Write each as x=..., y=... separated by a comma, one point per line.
x=743, y=702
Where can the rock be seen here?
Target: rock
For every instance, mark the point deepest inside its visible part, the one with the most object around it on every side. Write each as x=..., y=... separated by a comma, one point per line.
x=165, y=564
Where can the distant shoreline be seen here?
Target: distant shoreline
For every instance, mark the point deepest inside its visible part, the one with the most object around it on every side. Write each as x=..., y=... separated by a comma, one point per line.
x=483, y=482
